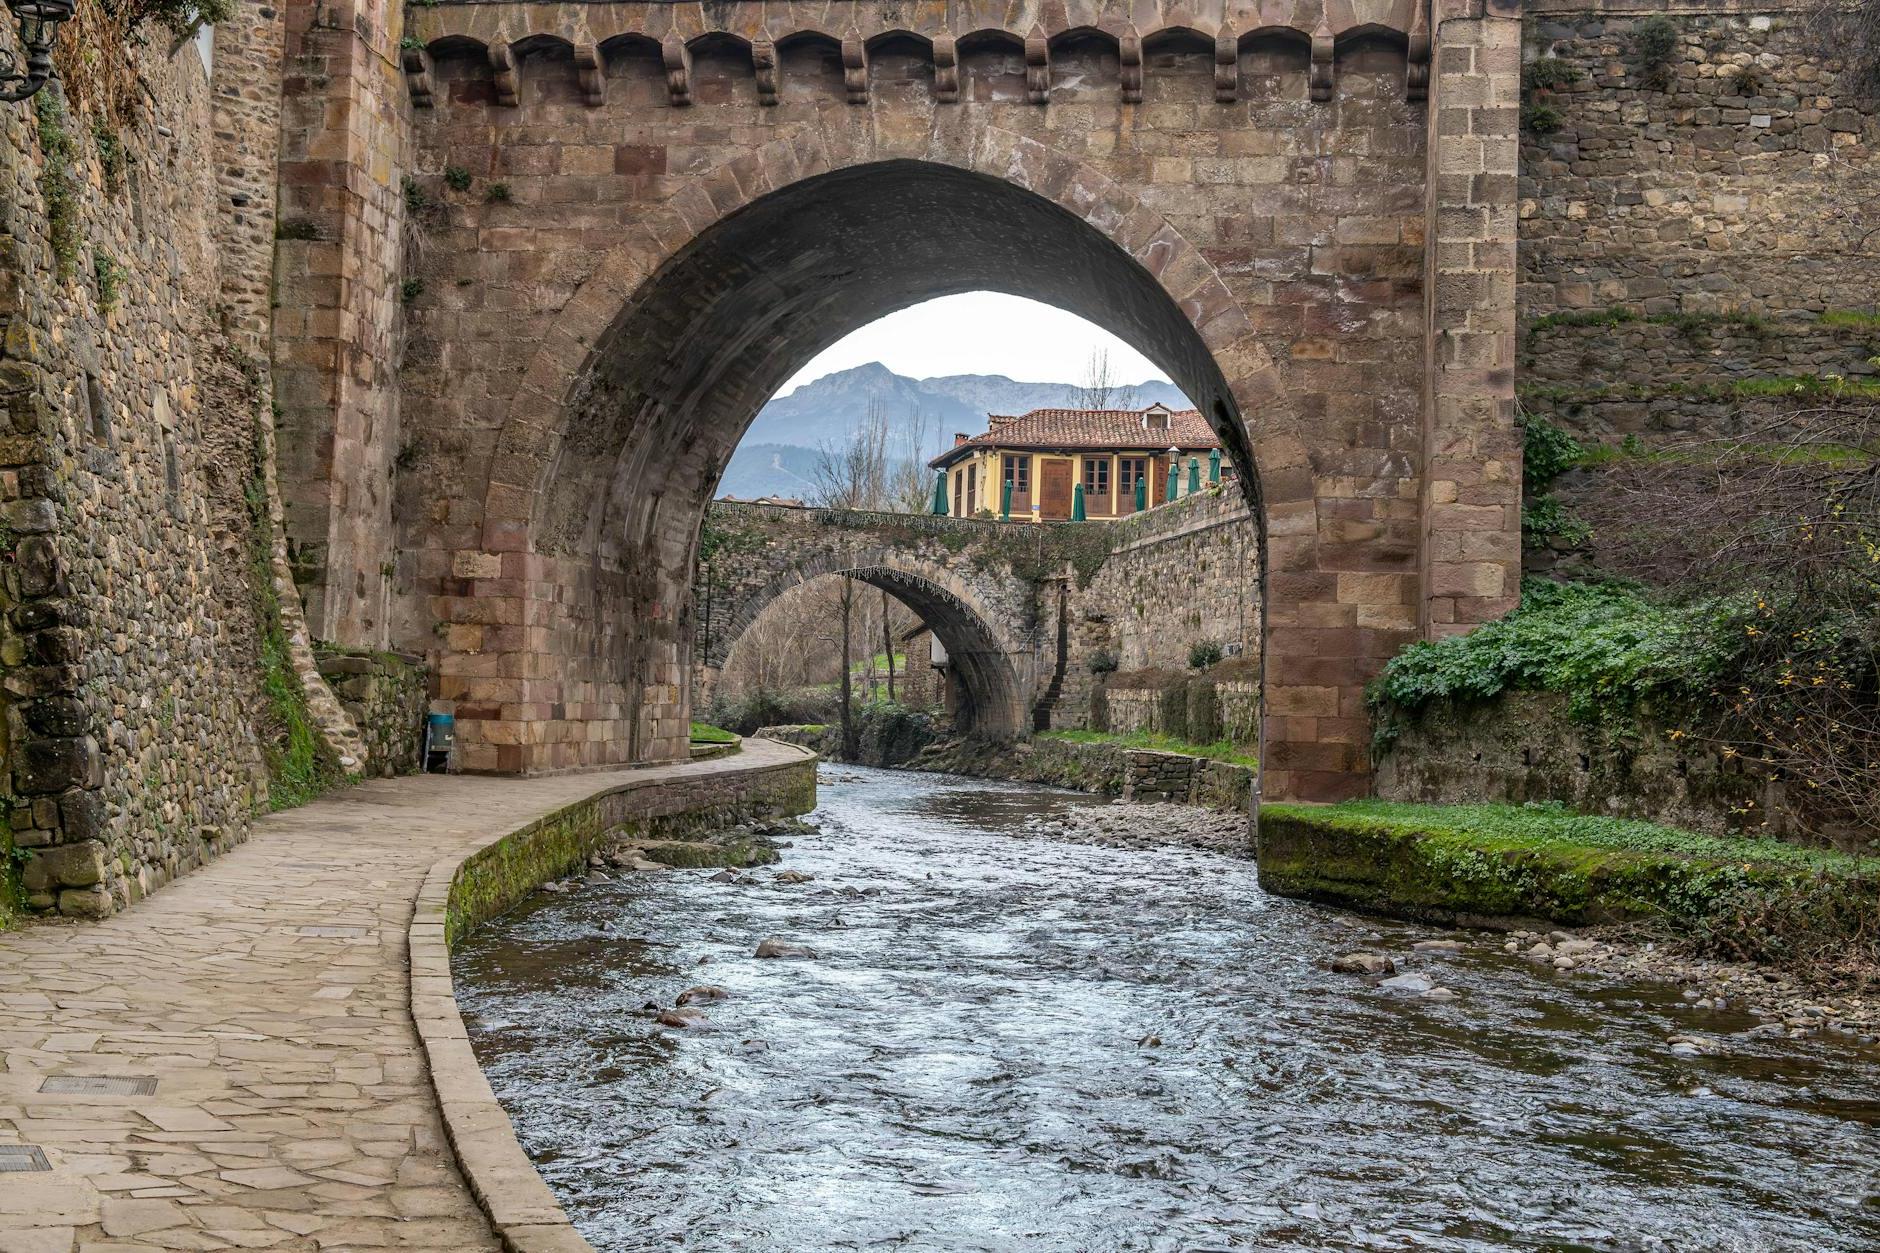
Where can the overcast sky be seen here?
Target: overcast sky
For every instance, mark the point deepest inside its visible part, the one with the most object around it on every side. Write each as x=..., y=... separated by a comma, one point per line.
x=981, y=333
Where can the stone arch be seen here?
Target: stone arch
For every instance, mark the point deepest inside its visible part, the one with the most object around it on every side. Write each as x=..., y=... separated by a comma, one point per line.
x=610, y=525
x=992, y=660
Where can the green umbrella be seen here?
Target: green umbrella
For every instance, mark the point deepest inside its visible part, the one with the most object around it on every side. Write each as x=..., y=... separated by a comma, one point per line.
x=1005, y=503
x=1174, y=477
x=940, y=494
x=1142, y=492
x=1214, y=465
x=1077, y=503
x=1194, y=475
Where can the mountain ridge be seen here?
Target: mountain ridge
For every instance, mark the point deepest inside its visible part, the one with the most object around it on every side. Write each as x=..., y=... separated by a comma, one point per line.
x=779, y=451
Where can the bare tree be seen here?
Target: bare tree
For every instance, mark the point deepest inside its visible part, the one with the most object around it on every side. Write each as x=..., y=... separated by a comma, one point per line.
x=1099, y=388
x=910, y=482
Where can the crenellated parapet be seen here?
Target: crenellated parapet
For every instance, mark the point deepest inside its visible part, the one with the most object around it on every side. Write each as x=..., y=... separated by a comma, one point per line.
x=943, y=34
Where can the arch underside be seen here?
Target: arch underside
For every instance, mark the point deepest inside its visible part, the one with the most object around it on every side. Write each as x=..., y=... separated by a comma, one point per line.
x=670, y=388
x=991, y=669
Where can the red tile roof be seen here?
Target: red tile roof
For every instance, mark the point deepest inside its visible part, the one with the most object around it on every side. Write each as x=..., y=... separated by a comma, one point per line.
x=1075, y=430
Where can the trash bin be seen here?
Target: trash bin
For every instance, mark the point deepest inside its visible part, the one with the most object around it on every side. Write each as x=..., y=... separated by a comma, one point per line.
x=440, y=736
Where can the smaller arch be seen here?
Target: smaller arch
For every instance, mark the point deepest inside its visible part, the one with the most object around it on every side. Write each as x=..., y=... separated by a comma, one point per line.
x=900, y=39
x=991, y=37
x=718, y=43
x=1079, y=37
x=1177, y=39
x=1267, y=36
x=993, y=696
x=541, y=44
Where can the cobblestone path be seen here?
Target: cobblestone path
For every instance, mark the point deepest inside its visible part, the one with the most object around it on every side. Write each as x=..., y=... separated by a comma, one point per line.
x=266, y=995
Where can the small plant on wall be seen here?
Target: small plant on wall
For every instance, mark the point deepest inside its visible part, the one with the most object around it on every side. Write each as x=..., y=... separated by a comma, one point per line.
x=1540, y=79
x=1655, y=40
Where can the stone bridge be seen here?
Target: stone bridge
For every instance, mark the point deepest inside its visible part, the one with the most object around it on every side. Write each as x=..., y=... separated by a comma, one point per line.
x=615, y=229
x=976, y=584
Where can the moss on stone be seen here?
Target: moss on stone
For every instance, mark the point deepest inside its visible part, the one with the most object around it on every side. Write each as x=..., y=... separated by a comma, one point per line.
x=1496, y=863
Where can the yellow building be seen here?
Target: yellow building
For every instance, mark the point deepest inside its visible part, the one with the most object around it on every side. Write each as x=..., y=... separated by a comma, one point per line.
x=1048, y=453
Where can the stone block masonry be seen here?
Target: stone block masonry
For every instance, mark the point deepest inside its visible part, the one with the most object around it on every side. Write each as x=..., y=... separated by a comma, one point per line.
x=631, y=197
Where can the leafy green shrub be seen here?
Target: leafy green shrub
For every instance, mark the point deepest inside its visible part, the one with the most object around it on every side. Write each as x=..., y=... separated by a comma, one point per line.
x=748, y=711
x=1202, y=654
x=1550, y=74
x=496, y=193
x=1547, y=452
x=1103, y=661
x=1546, y=523
x=457, y=178
x=110, y=276
x=410, y=290
x=182, y=17
x=1605, y=646
x=1655, y=40
x=1541, y=119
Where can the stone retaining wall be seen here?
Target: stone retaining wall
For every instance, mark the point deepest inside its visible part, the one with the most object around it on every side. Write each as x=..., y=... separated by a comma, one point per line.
x=386, y=695
x=494, y=878
x=462, y=892
x=1523, y=747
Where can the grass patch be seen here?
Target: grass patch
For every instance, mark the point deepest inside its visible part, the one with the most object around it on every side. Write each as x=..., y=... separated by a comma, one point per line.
x=1858, y=319
x=1505, y=827
x=299, y=763
x=706, y=733
x=1220, y=750
x=1757, y=900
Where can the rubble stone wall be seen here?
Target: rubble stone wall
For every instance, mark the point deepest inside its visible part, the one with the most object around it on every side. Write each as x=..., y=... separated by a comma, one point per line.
x=386, y=695
x=129, y=673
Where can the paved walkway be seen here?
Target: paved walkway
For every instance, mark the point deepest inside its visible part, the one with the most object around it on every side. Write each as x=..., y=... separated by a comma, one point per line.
x=267, y=996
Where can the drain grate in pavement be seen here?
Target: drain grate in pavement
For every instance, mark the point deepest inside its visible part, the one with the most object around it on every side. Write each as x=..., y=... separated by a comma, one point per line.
x=333, y=933
x=16, y=1157
x=100, y=1085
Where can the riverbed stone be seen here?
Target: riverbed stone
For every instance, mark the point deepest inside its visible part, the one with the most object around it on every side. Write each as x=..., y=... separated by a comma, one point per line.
x=1410, y=984
x=774, y=948
x=1363, y=963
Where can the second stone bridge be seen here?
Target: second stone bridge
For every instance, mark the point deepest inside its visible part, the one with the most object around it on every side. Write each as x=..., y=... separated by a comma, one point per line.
x=1000, y=596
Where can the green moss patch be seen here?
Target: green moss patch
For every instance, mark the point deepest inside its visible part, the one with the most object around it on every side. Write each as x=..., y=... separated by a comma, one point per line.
x=706, y=733
x=1219, y=750
x=1752, y=899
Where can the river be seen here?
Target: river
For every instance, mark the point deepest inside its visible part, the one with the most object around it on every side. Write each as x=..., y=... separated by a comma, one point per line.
x=1010, y=1042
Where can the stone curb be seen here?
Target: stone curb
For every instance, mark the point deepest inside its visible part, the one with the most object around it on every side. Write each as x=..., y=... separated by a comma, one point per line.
x=525, y=1214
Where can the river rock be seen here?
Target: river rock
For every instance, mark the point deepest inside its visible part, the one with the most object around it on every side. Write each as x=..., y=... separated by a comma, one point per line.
x=1439, y=994
x=1411, y=984
x=1363, y=962
x=702, y=992
x=792, y=876
x=780, y=948
x=1437, y=946
x=682, y=1018
x=1574, y=948
x=723, y=876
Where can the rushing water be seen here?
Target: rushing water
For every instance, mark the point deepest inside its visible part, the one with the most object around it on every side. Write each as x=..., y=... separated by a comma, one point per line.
x=972, y=1063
